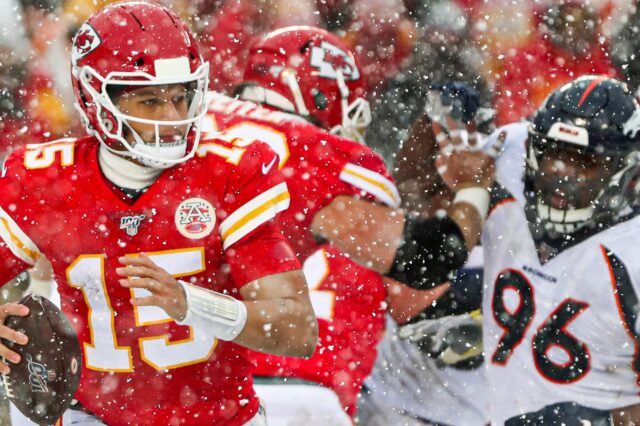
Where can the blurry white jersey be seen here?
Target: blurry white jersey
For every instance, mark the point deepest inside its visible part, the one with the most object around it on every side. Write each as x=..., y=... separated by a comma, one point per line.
x=298, y=404
x=408, y=388
x=565, y=330
x=510, y=162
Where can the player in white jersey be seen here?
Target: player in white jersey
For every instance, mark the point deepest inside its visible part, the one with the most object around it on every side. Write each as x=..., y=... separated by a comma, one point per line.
x=409, y=387
x=414, y=382
x=448, y=395
x=561, y=327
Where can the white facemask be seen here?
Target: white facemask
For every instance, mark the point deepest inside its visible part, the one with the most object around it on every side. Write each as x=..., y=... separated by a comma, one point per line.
x=156, y=155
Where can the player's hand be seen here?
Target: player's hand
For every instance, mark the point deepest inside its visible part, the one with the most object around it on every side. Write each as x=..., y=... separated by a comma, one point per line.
x=463, y=165
x=7, y=333
x=449, y=339
x=458, y=98
x=166, y=293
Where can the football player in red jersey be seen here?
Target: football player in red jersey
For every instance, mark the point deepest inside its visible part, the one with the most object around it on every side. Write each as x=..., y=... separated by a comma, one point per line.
x=167, y=259
x=308, y=92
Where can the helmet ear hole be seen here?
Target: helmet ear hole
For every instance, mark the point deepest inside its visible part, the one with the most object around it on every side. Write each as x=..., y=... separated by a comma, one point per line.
x=139, y=62
x=320, y=99
x=305, y=47
x=85, y=76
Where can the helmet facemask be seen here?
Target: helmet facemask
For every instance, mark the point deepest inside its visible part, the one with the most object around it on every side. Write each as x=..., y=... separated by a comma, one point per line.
x=572, y=187
x=116, y=124
x=356, y=116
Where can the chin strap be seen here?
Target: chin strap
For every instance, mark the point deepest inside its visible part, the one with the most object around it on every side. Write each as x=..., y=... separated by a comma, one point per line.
x=289, y=77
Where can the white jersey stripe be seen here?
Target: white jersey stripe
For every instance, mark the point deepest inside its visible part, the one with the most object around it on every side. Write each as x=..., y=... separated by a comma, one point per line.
x=17, y=241
x=373, y=183
x=266, y=215
x=246, y=209
x=254, y=213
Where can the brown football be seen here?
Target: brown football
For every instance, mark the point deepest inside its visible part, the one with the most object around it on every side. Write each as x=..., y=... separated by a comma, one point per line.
x=43, y=383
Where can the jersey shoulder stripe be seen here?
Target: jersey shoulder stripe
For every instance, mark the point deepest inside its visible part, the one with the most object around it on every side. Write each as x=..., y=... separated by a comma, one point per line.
x=626, y=302
x=373, y=183
x=254, y=213
x=499, y=196
x=17, y=241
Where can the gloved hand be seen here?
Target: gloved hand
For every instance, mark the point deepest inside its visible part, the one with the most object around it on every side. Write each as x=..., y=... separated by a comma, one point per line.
x=449, y=339
x=457, y=98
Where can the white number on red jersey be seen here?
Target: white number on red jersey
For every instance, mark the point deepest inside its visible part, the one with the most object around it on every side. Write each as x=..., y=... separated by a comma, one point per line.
x=103, y=352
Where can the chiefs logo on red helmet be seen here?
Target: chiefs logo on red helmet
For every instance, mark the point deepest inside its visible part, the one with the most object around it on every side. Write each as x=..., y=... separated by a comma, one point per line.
x=86, y=41
x=329, y=59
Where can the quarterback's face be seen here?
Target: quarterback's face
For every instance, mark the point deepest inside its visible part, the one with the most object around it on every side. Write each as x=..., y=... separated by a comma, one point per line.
x=571, y=179
x=157, y=103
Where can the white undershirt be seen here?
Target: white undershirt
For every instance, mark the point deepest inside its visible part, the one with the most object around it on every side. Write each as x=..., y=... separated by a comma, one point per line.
x=125, y=173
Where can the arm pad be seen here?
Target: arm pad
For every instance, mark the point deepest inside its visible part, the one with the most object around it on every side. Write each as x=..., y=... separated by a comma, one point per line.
x=432, y=249
x=214, y=313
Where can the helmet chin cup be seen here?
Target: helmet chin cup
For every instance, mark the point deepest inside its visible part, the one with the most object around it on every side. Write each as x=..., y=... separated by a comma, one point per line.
x=159, y=157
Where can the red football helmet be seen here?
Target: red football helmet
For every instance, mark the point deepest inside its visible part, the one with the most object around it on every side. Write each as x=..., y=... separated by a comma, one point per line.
x=128, y=45
x=310, y=72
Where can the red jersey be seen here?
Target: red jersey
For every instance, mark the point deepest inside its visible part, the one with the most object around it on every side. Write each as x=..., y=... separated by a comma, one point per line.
x=349, y=300
x=207, y=220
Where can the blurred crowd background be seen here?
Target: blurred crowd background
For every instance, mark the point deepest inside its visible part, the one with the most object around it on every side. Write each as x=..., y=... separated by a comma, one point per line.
x=513, y=51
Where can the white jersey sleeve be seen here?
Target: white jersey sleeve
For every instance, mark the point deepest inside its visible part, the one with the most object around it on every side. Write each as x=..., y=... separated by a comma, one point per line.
x=511, y=159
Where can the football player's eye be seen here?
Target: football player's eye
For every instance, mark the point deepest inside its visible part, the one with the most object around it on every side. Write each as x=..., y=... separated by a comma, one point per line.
x=179, y=98
x=150, y=101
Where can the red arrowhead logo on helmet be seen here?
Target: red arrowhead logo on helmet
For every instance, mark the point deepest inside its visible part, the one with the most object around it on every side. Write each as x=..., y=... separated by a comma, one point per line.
x=85, y=41
x=329, y=59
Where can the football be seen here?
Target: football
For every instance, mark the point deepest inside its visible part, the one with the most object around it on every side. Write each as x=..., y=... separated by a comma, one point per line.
x=43, y=383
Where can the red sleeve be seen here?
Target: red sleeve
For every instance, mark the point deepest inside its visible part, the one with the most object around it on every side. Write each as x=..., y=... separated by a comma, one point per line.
x=367, y=175
x=266, y=252
x=366, y=157
x=256, y=193
x=17, y=251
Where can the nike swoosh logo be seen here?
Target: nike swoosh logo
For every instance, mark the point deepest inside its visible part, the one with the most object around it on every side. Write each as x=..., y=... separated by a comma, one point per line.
x=267, y=167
